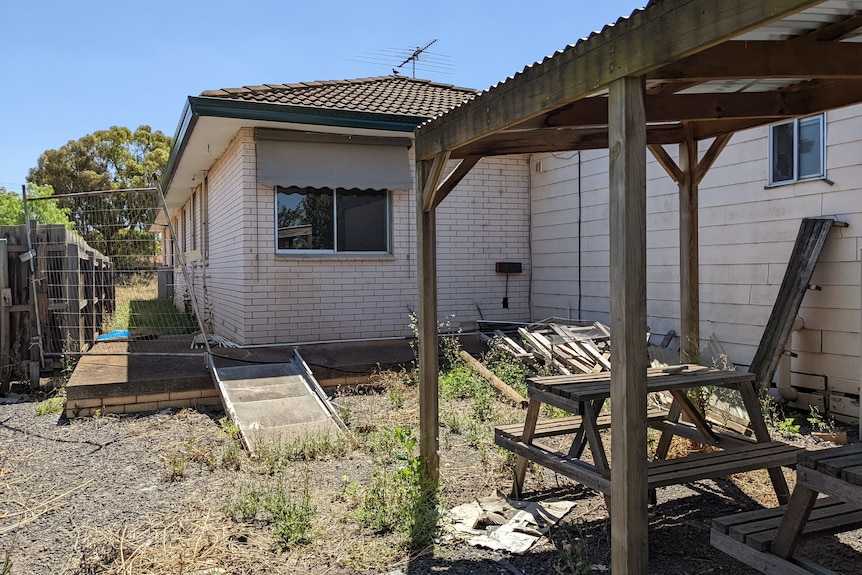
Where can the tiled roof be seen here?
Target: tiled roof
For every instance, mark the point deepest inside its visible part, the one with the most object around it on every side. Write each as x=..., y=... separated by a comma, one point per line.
x=380, y=95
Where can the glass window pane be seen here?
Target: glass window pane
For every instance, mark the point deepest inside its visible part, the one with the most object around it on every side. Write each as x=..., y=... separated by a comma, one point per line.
x=304, y=219
x=362, y=221
x=810, y=147
x=782, y=153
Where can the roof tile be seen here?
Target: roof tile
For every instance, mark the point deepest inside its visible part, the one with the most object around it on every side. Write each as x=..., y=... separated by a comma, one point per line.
x=383, y=94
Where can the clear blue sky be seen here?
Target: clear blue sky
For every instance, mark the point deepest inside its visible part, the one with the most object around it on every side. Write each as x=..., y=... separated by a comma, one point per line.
x=68, y=69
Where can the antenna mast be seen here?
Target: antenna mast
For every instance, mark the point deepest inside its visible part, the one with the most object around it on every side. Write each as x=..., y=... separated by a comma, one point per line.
x=415, y=55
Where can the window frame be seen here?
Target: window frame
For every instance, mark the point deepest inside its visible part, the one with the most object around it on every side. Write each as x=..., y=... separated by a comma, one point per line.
x=387, y=218
x=796, y=178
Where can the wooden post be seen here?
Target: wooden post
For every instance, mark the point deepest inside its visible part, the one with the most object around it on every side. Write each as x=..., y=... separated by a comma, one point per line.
x=5, y=327
x=73, y=297
x=627, y=200
x=689, y=278
x=429, y=416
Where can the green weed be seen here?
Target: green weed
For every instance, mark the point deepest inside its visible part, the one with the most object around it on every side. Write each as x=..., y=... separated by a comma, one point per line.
x=290, y=514
x=403, y=501
x=52, y=405
x=177, y=465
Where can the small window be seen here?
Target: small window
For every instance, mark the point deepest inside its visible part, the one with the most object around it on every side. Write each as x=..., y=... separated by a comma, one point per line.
x=797, y=150
x=327, y=220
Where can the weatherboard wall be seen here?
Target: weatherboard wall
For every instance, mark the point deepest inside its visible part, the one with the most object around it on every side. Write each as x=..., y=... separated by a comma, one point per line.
x=747, y=232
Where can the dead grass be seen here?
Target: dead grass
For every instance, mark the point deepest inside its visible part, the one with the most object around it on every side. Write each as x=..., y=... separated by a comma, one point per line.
x=194, y=541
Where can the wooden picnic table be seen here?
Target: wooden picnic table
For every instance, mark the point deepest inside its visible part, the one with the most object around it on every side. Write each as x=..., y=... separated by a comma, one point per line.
x=766, y=539
x=584, y=395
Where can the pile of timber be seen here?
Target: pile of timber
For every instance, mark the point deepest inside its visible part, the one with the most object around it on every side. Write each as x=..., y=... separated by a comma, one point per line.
x=566, y=347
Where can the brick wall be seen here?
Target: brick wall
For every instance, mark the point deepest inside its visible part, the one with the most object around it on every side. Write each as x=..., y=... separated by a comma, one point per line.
x=257, y=296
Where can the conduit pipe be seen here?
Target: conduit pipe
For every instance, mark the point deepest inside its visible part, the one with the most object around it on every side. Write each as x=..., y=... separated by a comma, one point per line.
x=785, y=390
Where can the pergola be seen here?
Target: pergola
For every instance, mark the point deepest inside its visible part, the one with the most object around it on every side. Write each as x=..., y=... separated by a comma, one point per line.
x=677, y=72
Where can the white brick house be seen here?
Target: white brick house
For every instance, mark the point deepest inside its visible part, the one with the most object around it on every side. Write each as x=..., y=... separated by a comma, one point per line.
x=251, y=168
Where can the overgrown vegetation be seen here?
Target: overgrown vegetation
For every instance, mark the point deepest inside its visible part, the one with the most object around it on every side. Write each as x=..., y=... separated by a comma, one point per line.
x=401, y=499
x=288, y=511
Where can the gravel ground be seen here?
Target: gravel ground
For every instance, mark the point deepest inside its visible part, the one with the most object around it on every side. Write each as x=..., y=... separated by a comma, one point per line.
x=95, y=496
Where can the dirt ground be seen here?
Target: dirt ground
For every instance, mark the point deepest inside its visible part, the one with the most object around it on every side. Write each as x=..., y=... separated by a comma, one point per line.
x=105, y=495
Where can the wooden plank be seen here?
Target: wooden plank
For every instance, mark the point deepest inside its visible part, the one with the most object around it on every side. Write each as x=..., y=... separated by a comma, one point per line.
x=812, y=459
x=569, y=467
x=763, y=562
x=526, y=438
x=821, y=508
x=829, y=485
x=852, y=475
x=725, y=523
x=783, y=540
x=836, y=465
x=627, y=207
x=806, y=251
x=685, y=472
x=568, y=425
x=501, y=386
x=631, y=47
x=842, y=518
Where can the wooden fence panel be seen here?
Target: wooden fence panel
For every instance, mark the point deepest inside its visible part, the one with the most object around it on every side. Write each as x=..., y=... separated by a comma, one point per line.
x=65, y=298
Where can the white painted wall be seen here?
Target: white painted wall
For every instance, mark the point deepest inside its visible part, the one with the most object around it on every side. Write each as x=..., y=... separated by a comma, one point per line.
x=746, y=237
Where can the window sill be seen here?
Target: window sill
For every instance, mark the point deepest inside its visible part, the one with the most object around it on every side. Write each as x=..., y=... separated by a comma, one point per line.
x=336, y=257
x=805, y=181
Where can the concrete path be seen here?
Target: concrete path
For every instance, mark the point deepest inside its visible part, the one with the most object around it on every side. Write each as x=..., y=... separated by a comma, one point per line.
x=276, y=402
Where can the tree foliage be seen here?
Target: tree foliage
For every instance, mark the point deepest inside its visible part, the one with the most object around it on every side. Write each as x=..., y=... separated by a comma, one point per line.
x=112, y=159
x=43, y=211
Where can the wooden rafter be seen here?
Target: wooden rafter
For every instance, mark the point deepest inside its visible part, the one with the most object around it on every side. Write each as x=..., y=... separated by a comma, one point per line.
x=767, y=59
x=641, y=44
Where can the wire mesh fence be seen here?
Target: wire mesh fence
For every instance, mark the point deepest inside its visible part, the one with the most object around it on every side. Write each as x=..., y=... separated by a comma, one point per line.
x=105, y=283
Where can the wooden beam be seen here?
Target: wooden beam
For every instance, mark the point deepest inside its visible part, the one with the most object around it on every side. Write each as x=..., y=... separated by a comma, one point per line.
x=835, y=31
x=666, y=162
x=462, y=169
x=767, y=59
x=429, y=188
x=627, y=203
x=689, y=273
x=559, y=140
x=649, y=39
x=426, y=237
x=712, y=153
x=718, y=106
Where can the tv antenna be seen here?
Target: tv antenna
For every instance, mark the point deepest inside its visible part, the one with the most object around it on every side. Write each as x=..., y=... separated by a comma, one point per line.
x=419, y=58
x=412, y=58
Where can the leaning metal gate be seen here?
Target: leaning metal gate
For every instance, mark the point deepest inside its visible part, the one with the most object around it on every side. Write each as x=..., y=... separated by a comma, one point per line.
x=111, y=282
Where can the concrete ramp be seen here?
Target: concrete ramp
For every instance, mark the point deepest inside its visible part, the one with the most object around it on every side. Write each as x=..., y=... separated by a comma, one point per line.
x=278, y=402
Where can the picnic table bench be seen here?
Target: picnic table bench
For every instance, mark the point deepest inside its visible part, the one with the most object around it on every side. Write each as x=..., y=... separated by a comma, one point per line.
x=584, y=395
x=765, y=539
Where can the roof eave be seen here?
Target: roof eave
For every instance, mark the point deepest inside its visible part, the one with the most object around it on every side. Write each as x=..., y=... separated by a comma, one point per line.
x=198, y=106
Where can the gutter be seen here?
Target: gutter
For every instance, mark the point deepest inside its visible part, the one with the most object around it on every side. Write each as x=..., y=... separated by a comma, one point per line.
x=197, y=106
